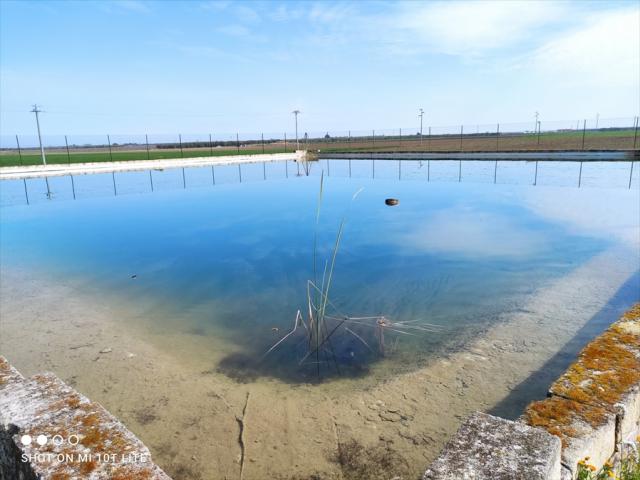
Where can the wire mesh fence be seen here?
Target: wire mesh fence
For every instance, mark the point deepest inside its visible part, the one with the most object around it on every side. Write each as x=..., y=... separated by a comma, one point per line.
x=593, y=134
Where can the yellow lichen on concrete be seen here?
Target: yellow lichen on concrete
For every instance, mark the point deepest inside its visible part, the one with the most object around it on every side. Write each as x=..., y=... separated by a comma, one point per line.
x=608, y=368
x=562, y=417
x=630, y=321
x=44, y=405
x=596, y=392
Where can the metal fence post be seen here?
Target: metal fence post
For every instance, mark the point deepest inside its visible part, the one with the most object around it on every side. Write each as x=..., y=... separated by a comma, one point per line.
x=146, y=141
x=584, y=131
x=19, y=153
x=110, y=154
x=66, y=143
x=180, y=140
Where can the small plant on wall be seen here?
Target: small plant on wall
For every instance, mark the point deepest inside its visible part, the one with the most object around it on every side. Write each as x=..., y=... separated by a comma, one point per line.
x=626, y=468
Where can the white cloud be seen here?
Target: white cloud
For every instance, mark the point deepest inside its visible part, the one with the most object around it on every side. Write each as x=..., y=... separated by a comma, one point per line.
x=240, y=31
x=604, y=51
x=468, y=28
x=215, y=5
x=327, y=13
x=241, y=11
x=235, y=30
x=283, y=13
x=245, y=13
x=135, y=6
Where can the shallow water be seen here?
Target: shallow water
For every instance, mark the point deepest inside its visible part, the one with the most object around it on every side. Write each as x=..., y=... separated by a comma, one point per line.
x=225, y=253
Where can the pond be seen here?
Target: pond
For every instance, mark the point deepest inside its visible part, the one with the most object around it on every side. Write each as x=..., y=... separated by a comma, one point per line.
x=221, y=258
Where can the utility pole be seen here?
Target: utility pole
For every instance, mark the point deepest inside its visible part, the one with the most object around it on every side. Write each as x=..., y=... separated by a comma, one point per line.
x=421, y=114
x=537, y=114
x=36, y=110
x=296, y=112
x=597, y=119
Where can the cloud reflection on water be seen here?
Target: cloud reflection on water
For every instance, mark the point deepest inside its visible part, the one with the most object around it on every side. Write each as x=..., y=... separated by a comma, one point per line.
x=474, y=233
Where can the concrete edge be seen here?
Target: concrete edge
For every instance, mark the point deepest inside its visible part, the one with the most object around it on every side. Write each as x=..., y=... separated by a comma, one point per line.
x=51, y=170
x=601, y=156
x=586, y=418
x=49, y=431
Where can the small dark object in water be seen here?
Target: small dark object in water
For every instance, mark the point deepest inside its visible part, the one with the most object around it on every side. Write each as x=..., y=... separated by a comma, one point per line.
x=134, y=276
x=392, y=201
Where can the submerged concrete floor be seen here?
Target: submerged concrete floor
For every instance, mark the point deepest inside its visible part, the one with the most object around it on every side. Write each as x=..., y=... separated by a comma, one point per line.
x=164, y=386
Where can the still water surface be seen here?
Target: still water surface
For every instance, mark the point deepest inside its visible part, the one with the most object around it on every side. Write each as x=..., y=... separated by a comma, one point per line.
x=226, y=252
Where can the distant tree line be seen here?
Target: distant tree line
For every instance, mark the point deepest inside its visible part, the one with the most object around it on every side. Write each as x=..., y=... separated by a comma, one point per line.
x=213, y=143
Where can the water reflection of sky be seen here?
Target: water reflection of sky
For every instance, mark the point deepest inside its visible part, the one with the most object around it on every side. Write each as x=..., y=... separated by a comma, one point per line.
x=233, y=259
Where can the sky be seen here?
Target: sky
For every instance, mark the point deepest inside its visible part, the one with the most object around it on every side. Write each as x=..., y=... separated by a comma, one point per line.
x=135, y=67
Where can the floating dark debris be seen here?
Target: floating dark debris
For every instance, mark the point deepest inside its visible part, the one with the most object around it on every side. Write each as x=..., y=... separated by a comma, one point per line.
x=392, y=201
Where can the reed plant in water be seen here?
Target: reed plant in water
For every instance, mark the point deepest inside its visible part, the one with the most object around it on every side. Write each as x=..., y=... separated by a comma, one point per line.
x=322, y=322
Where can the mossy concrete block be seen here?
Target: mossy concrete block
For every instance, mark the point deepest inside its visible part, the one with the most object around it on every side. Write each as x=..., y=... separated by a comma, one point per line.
x=8, y=374
x=598, y=443
x=566, y=474
x=585, y=430
x=491, y=448
x=628, y=415
x=48, y=430
x=607, y=375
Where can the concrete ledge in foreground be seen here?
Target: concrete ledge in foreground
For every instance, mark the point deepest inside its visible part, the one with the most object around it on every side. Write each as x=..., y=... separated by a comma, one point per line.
x=48, y=431
x=491, y=448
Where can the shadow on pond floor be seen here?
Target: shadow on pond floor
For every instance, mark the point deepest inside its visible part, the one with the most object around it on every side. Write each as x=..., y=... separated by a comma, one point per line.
x=536, y=386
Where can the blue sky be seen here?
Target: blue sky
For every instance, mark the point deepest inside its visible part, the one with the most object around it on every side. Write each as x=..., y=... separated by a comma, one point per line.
x=196, y=66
